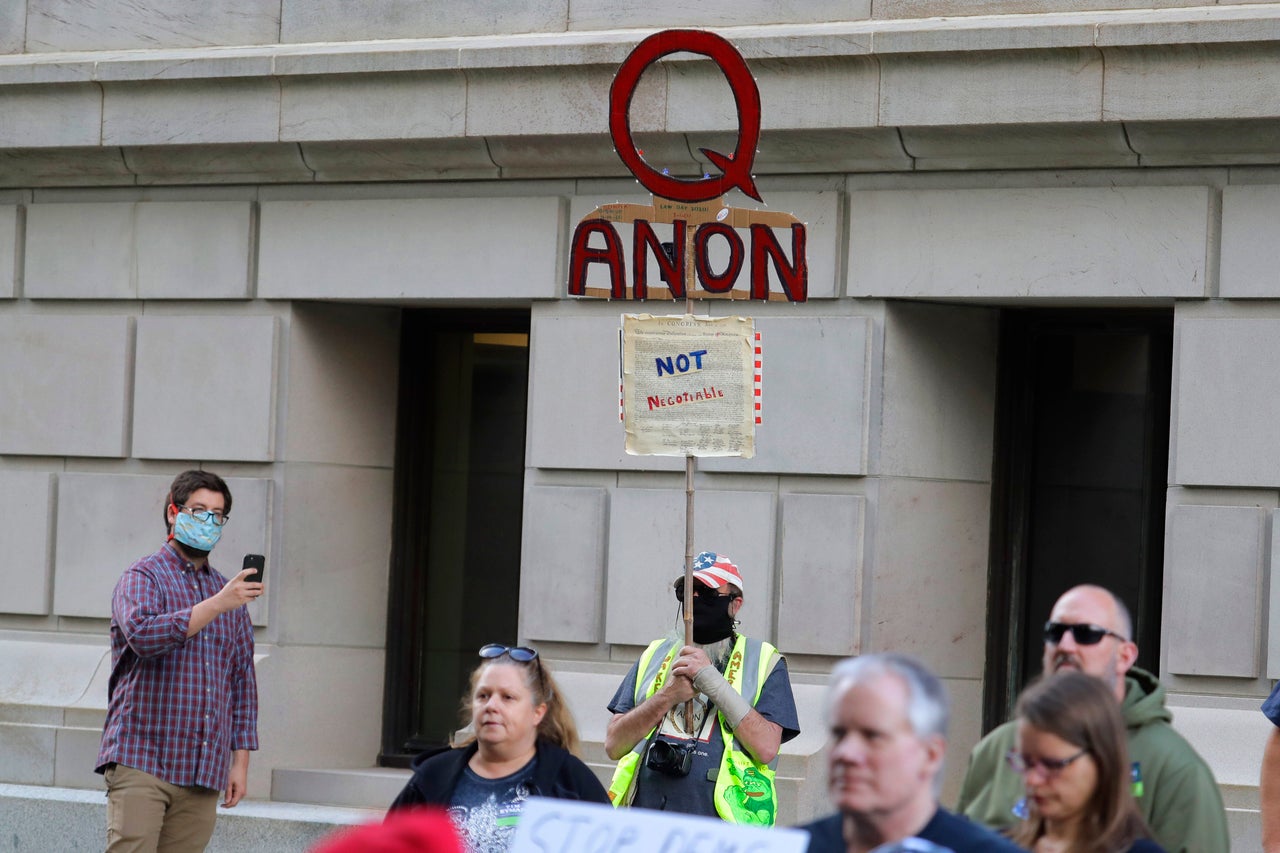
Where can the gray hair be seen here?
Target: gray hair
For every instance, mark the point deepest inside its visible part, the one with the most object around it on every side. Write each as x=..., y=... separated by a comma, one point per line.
x=927, y=709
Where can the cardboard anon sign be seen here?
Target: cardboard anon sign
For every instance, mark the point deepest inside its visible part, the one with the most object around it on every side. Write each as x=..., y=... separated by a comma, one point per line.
x=708, y=243
x=690, y=386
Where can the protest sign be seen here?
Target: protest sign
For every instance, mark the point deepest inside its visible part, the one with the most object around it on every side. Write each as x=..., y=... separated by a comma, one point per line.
x=708, y=243
x=689, y=385
x=552, y=826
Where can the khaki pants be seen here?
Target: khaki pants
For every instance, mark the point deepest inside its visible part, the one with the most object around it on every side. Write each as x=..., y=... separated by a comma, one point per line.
x=148, y=815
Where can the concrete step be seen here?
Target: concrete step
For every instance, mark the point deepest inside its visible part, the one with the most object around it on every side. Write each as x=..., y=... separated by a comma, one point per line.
x=69, y=819
x=366, y=788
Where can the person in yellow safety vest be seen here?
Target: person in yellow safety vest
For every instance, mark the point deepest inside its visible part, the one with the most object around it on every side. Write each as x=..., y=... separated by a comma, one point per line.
x=743, y=711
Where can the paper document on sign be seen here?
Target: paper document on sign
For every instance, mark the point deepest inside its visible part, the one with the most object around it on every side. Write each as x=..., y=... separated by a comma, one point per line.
x=688, y=385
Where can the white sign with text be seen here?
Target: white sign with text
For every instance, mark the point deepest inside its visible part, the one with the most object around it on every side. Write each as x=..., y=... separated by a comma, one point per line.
x=552, y=826
x=689, y=385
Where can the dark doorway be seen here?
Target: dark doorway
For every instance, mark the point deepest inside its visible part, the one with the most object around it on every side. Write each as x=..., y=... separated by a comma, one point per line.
x=455, y=562
x=1082, y=447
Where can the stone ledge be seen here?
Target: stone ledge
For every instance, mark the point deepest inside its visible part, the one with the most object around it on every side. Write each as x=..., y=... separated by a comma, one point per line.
x=370, y=788
x=1011, y=91
x=1041, y=31
x=1235, y=142
x=47, y=818
x=67, y=673
x=374, y=788
x=1245, y=827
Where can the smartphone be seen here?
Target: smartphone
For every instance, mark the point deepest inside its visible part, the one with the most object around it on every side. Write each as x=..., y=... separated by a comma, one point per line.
x=257, y=562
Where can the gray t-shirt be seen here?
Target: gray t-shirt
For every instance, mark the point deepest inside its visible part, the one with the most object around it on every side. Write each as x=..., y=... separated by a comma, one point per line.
x=695, y=793
x=485, y=811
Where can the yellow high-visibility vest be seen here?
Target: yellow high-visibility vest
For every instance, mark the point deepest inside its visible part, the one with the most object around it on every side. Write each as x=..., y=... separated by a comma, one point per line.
x=744, y=791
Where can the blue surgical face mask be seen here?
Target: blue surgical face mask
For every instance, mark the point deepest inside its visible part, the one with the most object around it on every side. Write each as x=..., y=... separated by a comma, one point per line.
x=194, y=533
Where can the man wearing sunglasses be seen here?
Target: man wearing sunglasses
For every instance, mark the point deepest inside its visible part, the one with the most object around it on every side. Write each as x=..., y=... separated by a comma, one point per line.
x=1089, y=630
x=743, y=711
x=182, y=702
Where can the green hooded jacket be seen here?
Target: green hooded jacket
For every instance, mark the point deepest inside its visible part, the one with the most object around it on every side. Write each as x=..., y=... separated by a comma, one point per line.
x=1179, y=798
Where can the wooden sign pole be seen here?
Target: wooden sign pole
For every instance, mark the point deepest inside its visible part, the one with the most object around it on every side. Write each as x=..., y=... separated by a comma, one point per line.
x=687, y=274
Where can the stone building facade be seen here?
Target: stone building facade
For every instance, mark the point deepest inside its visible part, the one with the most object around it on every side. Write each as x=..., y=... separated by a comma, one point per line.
x=221, y=227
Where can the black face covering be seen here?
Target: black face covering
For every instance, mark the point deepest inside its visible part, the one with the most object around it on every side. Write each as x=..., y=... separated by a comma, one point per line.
x=711, y=619
x=193, y=553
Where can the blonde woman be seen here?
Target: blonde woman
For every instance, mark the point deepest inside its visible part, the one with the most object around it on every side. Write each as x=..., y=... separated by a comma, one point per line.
x=519, y=742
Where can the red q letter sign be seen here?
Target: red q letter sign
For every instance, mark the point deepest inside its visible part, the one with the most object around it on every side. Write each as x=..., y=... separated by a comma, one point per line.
x=736, y=167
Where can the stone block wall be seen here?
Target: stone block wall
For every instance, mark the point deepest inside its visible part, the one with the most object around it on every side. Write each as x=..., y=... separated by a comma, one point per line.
x=944, y=170
x=1222, y=657
x=861, y=523
x=136, y=344
x=171, y=331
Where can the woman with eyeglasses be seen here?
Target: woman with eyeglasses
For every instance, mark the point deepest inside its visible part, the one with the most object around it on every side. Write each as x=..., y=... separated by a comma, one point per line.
x=518, y=741
x=1071, y=752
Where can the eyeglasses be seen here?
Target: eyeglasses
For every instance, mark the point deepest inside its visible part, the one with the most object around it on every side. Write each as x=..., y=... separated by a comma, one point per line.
x=522, y=654
x=700, y=590
x=1084, y=633
x=206, y=515
x=1023, y=764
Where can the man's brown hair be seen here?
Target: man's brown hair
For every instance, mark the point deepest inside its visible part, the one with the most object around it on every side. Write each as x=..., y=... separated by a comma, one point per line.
x=190, y=481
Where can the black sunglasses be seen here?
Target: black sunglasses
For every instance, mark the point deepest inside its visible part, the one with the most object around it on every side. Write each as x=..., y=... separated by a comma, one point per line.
x=523, y=654
x=700, y=590
x=1084, y=633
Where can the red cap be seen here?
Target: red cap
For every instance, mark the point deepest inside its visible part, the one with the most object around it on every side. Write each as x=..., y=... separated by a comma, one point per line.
x=404, y=831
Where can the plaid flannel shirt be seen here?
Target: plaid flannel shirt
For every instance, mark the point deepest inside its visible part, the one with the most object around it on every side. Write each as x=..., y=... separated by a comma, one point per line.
x=177, y=705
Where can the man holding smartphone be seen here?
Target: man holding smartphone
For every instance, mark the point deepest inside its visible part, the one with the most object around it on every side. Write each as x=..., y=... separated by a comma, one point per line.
x=182, y=711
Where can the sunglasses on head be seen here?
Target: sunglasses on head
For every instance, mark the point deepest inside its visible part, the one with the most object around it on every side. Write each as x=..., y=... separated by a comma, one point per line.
x=1084, y=633
x=522, y=654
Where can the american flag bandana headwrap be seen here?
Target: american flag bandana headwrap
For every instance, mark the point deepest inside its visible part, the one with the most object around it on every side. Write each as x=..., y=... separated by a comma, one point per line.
x=716, y=569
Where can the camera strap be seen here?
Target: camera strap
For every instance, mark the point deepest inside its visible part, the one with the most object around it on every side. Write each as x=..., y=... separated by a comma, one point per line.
x=708, y=711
